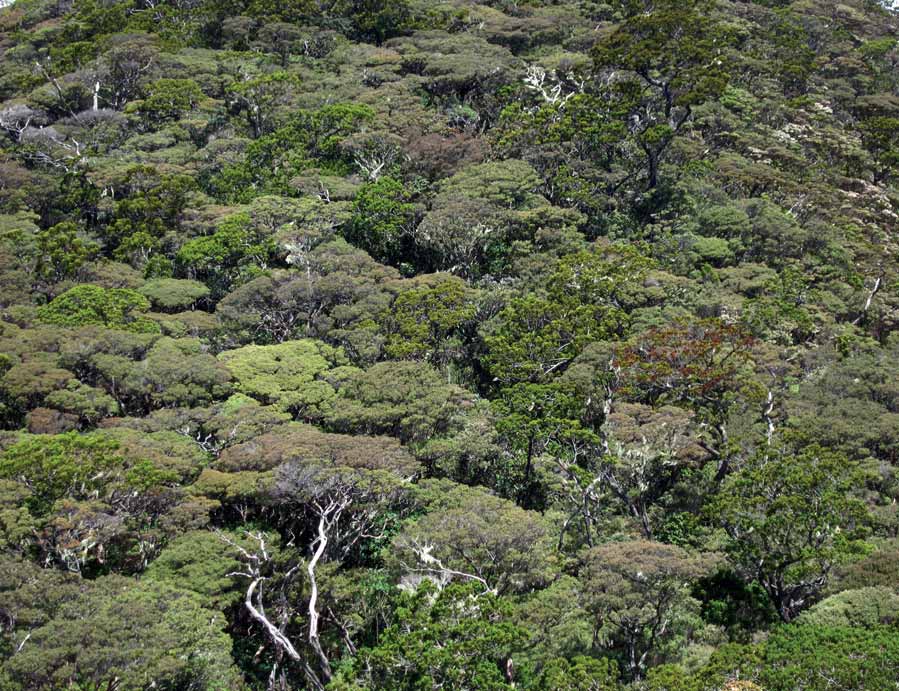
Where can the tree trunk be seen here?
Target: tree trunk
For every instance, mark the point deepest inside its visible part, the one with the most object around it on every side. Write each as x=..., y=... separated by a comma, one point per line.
x=322, y=543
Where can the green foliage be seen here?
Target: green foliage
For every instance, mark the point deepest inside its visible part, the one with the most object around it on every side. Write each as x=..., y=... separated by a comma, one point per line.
x=152, y=624
x=453, y=637
x=874, y=570
x=235, y=250
x=676, y=51
x=509, y=184
x=426, y=321
x=816, y=657
x=382, y=216
x=673, y=44
x=408, y=400
x=91, y=404
x=537, y=336
x=179, y=372
x=792, y=57
x=537, y=419
x=62, y=250
x=471, y=535
x=779, y=315
x=728, y=601
x=292, y=375
x=259, y=96
x=374, y=20
x=200, y=562
x=144, y=218
x=66, y=465
x=172, y=294
x=779, y=536
x=581, y=674
x=169, y=98
x=879, y=135
x=363, y=344
x=309, y=139
x=115, y=308
x=863, y=608
x=634, y=590
x=28, y=383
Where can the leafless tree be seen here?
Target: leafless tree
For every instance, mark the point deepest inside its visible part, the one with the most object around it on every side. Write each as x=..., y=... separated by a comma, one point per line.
x=556, y=90
x=17, y=118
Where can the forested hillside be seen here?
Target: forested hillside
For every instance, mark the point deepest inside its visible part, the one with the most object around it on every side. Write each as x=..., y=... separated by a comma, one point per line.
x=441, y=344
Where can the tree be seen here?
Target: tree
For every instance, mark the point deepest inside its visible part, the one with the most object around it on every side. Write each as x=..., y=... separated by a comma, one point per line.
x=281, y=38
x=115, y=308
x=308, y=139
x=676, y=51
x=791, y=516
x=578, y=140
x=100, y=497
x=425, y=322
x=374, y=20
x=118, y=75
x=28, y=383
x=408, y=400
x=179, y=372
x=168, y=99
x=455, y=637
x=560, y=631
x=339, y=509
x=535, y=337
x=62, y=251
x=290, y=375
x=580, y=674
x=471, y=535
x=879, y=134
x=649, y=452
x=701, y=365
x=89, y=403
x=147, y=215
x=220, y=426
x=459, y=234
x=818, y=657
x=173, y=294
x=538, y=419
x=382, y=218
x=66, y=465
x=235, y=250
x=863, y=607
x=639, y=595
x=163, y=372
x=30, y=597
x=162, y=636
x=797, y=656
x=275, y=307
x=338, y=295
x=200, y=562
x=306, y=444
x=260, y=96
x=789, y=51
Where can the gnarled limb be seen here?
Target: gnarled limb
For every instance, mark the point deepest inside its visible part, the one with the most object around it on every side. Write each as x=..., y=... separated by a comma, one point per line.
x=254, y=603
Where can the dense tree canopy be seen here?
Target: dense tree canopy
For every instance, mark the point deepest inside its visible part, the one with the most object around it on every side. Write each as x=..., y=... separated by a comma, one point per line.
x=462, y=344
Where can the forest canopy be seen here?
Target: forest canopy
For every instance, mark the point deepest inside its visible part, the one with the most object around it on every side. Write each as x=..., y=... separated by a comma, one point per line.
x=449, y=344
